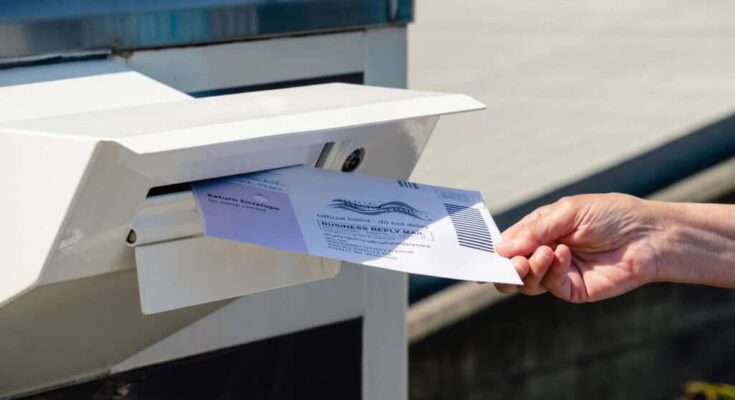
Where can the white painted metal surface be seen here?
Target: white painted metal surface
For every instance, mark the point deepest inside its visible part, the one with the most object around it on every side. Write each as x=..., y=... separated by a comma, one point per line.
x=141, y=147
x=46, y=91
x=96, y=202
x=249, y=116
x=53, y=334
x=67, y=88
x=385, y=352
x=184, y=273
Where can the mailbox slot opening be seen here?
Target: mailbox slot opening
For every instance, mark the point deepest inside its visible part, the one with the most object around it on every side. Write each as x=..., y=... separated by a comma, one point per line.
x=186, y=186
x=169, y=212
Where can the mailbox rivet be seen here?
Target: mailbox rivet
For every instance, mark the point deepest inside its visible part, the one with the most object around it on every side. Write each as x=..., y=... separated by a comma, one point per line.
x=353, y=160
x=132, y=237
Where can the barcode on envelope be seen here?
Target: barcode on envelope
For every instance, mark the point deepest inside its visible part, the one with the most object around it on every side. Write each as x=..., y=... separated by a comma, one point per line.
x=407, y=184
x=472, y=231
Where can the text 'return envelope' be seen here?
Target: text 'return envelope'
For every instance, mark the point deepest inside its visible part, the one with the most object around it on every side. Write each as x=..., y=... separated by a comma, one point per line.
x=378, y=222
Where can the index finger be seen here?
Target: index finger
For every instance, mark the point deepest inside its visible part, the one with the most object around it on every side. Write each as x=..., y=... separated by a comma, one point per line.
x=543, y=226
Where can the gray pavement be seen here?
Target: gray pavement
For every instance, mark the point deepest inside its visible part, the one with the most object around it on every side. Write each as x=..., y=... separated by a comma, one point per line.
x=572, y=87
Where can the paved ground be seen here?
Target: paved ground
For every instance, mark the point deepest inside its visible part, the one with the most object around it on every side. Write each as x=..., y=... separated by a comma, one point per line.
x=571, y=86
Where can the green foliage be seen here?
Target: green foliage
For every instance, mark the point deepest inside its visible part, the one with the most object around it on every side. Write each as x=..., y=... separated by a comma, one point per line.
x=698, y=390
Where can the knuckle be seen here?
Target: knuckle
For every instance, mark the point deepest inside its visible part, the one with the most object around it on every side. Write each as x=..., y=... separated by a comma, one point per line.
x=541, y=211
x=529, y=232
x=545, y=211
x=567, y=203
x=542, y=259
x=536, y=214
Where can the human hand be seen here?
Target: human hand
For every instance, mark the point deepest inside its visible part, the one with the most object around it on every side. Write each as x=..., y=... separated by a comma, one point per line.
x=585, y=248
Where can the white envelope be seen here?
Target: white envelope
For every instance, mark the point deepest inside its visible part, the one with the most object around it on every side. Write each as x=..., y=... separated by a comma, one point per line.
x=378, y=222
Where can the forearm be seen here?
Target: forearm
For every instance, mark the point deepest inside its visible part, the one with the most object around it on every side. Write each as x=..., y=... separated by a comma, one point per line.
x=697, y=243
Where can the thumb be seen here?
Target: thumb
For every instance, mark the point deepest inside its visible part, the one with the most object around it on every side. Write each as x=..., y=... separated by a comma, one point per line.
x=544, y=225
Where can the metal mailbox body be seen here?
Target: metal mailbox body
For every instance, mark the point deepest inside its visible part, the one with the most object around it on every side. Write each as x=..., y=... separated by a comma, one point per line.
x=76, y=183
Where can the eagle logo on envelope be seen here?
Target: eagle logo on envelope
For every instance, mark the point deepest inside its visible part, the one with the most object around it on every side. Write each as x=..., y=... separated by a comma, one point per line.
x=377, y=209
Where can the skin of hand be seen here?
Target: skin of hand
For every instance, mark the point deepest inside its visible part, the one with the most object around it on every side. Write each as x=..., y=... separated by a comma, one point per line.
x=586, y=248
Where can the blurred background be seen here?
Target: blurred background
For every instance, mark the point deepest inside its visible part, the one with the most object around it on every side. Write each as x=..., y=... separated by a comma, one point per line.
x=582, y=96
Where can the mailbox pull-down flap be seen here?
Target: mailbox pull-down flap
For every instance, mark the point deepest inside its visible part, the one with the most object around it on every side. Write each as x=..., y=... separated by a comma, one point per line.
x=199, y=270
x=177, y=267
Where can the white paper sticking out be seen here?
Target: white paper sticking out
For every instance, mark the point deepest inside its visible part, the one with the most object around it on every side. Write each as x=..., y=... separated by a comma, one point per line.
x=378, y=222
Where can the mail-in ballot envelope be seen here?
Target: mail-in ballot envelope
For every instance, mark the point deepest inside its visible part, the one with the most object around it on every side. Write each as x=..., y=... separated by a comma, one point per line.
x=378, y=222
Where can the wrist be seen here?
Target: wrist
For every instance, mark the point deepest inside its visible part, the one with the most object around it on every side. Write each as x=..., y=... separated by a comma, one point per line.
x=669, y=242
x=695, y=243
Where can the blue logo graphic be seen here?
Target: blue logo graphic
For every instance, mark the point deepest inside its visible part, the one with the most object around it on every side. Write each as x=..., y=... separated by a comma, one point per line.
x=372, y=209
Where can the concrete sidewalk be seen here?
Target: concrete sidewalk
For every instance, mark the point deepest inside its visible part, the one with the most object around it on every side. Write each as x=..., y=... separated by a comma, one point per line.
x=572, y=87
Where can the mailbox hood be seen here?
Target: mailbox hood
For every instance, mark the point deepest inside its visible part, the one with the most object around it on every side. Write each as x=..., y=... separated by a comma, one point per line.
x=199, y=122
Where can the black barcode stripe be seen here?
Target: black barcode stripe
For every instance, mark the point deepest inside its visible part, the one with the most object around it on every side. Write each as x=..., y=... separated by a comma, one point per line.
x=464, y=215
x=476, y=243
x=478, y=223
x=473, y=239
x=482, y=248
x=407, y=184
x=472, y=231
x=476, y=233
x=463, y=232
x=469, y=221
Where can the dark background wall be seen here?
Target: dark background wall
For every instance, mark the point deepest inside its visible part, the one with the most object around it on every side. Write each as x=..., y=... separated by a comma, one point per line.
x=321, y=363
x=643, y=345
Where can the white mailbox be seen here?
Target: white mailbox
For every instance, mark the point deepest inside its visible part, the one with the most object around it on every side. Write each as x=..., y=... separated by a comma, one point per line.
x=100, y=229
